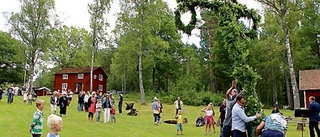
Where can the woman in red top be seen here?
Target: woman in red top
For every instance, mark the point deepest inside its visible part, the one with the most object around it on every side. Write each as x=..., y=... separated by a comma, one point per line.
x=92, y=106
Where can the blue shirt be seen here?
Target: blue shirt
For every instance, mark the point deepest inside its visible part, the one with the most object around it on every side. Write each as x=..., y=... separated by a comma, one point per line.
x=275, y=122
x=314, y=108
x=155, y=105
x=239, y=118
x=52, y=135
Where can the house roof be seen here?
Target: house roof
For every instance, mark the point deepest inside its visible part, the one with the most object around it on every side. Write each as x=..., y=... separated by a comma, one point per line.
x=76, y=70
x=309, y=79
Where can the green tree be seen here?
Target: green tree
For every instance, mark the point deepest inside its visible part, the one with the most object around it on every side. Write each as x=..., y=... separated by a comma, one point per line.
x=68, y=47
x=310, y=34
x=233, y=36
x=285, y=12
x=31, y=26
x=11, y=59
x=144, y=29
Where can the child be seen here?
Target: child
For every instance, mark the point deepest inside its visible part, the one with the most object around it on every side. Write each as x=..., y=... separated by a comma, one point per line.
x=179, y=122
x=37, y=121
x=25, y=97
x=29, y=98
x=54, y=122
x=209, y=119
x=113, y=114
x=98, y=110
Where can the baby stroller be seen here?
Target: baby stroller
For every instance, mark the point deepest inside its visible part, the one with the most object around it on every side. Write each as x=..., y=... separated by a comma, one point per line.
x=132, y=112
x=200, y=121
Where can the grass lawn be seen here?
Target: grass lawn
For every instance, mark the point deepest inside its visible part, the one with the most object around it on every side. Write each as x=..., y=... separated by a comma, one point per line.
x=15, y=121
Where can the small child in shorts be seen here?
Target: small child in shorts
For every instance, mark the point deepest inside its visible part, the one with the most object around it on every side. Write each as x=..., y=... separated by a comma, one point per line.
x=179, y=122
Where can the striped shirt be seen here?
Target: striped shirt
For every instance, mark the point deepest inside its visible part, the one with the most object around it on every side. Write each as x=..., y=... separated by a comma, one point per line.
x=37, y=122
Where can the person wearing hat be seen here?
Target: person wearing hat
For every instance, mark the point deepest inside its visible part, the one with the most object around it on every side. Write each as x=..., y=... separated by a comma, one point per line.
x=155, y=111
x=231, y=95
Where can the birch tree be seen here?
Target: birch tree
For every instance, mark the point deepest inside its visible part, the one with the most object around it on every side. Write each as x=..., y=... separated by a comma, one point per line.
x=31, y=25
x=281, y=11
x=97, y=11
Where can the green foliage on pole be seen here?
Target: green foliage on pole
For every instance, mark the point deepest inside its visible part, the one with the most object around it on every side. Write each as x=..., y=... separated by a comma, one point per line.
x=234, y=37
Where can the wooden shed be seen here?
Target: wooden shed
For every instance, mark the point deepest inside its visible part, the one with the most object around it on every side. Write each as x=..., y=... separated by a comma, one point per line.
x=78, y=79
x=309, y=83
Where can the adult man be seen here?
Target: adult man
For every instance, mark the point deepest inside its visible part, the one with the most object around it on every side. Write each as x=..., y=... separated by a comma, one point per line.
x=274, y=125
x=10, y=94
x=230, y=101
x=314, y=108
x=239, y=118
x=106, y=105
x=178, y=104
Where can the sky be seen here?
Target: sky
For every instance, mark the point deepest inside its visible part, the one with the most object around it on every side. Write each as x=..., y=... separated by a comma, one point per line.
x=75, y=13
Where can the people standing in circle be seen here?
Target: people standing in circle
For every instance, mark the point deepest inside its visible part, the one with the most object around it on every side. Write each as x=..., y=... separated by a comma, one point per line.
x=120, y=103
x=314, y=108
x=178, y=104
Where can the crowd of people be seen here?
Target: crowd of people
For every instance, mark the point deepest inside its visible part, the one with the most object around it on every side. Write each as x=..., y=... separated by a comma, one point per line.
x=92, y=103
x=234, y=121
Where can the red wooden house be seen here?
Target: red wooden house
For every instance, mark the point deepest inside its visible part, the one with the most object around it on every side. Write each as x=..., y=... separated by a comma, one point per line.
x=78, y=79
x=309, y=83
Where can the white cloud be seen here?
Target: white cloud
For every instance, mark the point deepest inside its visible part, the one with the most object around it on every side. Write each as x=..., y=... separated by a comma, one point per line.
x=75, y=13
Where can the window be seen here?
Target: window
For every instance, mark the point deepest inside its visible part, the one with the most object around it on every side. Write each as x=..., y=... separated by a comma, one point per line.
x=64, y=85
x=65, y=76
x=100, y=87
x=80, y=76
x=94, y=76
x=100, y=77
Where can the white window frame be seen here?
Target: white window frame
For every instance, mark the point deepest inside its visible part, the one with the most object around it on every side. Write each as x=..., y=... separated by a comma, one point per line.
x=94, y=76
x=100, y=87
x=65, y=76
x=100, y=77
x=80, y=76
x=64, y=86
